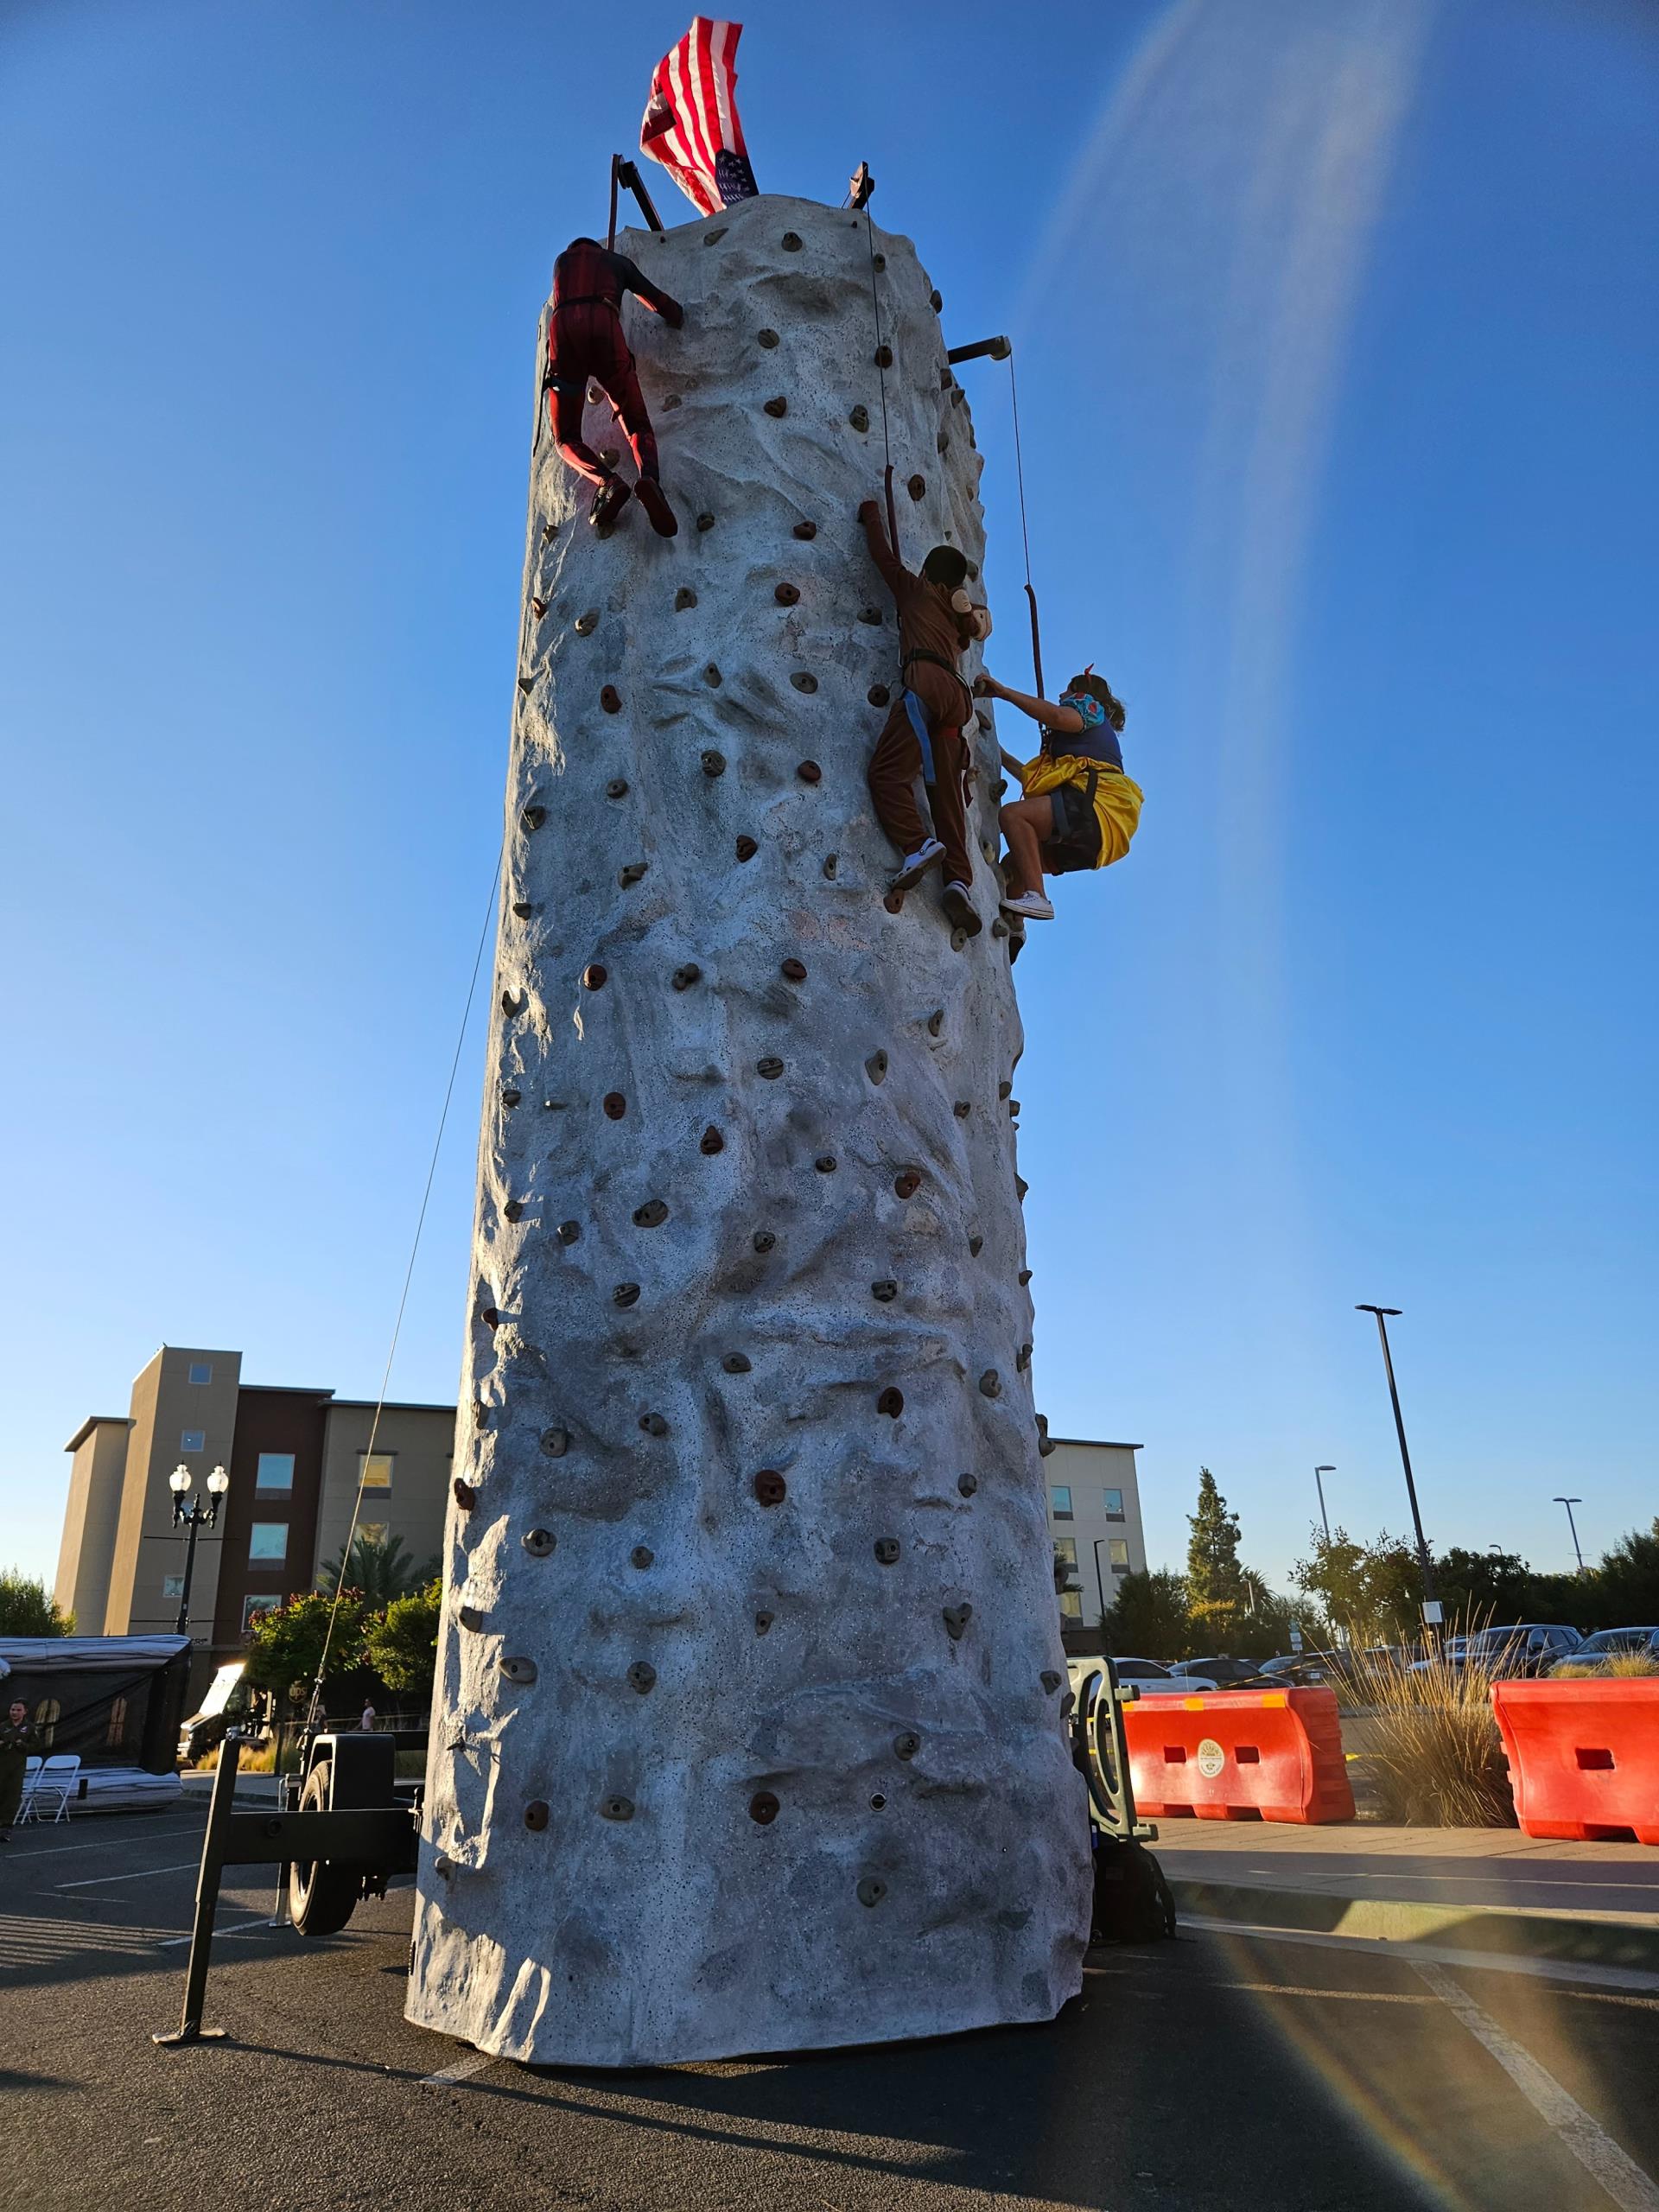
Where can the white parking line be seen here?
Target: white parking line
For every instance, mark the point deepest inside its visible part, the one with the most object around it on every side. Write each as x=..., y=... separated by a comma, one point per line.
x=474, y=2063
x=98, y=1843
x=145, y=1874
x=1380, y=1946
x=238, y=1928
x=1630, y=2189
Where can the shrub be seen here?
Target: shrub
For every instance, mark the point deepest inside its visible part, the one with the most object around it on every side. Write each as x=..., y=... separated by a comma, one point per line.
x=1628, y=1665
x=27, y=1607
x=1439, y=1758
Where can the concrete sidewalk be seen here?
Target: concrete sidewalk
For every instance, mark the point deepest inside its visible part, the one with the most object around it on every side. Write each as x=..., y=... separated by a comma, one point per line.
x=1472, y=1888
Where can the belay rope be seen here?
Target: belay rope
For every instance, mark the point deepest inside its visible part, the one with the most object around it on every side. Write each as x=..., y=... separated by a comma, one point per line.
x=1025, y=533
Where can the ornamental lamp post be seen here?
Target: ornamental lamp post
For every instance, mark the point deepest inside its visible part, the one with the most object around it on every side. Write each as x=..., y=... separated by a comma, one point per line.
x=198, y=1514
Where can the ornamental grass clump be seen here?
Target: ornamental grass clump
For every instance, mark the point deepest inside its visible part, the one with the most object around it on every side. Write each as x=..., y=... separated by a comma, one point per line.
x=1627, y=1666
x=1437, y=1758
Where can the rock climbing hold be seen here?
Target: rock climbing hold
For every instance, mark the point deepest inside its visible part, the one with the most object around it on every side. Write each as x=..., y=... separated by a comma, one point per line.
x=1021, y=1186
x=906, y=1185
x=790, y=242
x=594, y=976
x=763, y=1239
x=786, y=594
x=976, y=1246
x=884, y=1290
x=887, y=1550
x=642, y=1677
x=568, y=1231
x=550, y=530
x=967, y=1484
x=762, y=1623
x=894, y=902
x=610, y=699
x=713, y=237
x=770, y=1066
x=831, y=863
x=879, y=261
x=514, y=1002
x=764, y=1808
x=777, y=408
x=627, y=877
x=711, y=675
x=883, y=356
x=466, y=1493
x=517, y=1669
x=878, y=695
x=891, y=1402
x=684, y=598
x=871, y=1889
x=539, y=607
x=522, y=908
x=533, y=816
x=935, y=301
x=1022, y=1358
x=1013, y=1109
x=616, y=1808
x=587, y=622
x=737, y=1362
x=511, y=1097
x=1024, y=1275
x=825, y=1163
x=991, y=1384
x=626, y=1293
x=917, y=487
x=794, y=971
x=872, y=615
x=745, y=849
x=878, y=1802
x=470, y=1617
x=860, y=418
x=683, y=978
x=514, y=1209
x=802, y=682
x=906, y=1744
x=556, y=1442
x=526, y=684
x=654, y=1424
x=1005, y=1091
x=962, y=1108
x=538, y=1542
x=936, y=1021
x=1045, y=1443
x=537, y=1815
x=805, y=530
x=767, y=338
x=958, y=939
x=491, y=1317
x=617, y=788
x=670, y=400
x=808, y=771
x=943, y=441
x=615, y=1105
x=1051, y=1679
x=641, y=1556
x=705, y=522
x=714, y=764
x=770, y=1487
x=651, y=1214
x=999, y=927
x=711, y=1141
x=955, y=1618
x=876, y=1067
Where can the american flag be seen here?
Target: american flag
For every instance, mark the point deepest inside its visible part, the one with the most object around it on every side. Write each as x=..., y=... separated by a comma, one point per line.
x=691, y=123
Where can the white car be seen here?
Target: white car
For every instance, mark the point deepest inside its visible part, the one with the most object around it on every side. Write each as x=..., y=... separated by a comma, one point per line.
x=1147, y=1677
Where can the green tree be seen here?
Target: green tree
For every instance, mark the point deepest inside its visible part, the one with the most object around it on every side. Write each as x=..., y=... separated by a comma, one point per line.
x=402, y=1643
x=286, y=1645
x=1373, y=1591
x=1148, y=1619
x=378, y=1569
x=27, y=1607
x=1217, y=1594
x=1626, y=1583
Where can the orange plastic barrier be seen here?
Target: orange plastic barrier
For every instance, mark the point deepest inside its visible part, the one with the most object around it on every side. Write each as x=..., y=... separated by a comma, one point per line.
x=1240, y=1755
x=1583, y=1757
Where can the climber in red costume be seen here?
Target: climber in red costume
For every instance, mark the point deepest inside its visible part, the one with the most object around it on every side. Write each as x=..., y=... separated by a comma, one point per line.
x=584, y=340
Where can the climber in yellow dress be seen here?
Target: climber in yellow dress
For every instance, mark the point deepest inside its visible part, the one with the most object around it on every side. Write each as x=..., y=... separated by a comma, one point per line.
x=1078, y=809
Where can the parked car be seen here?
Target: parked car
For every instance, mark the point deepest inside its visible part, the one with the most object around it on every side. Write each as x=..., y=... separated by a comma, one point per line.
x=1299, y=1670
x=1153, y=1680
x=1226, y=1674
x=1523, y=1648
x=1609, y=1643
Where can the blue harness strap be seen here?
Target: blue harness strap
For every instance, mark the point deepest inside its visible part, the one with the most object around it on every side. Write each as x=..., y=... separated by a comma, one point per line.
x=917, y=714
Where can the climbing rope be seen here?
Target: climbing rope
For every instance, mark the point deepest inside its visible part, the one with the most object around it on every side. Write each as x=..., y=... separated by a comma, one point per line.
x=887, y=447
x=314, y=1710
x=1025, y=533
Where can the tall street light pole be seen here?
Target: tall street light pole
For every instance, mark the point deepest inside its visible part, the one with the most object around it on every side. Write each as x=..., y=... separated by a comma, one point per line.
x=1319, y=1486
x=195, y=1517
x=1569, y=1502
x=1431, y=1599
x=1099, y=1586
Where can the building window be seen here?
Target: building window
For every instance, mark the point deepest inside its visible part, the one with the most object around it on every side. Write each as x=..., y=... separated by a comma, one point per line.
x=275, y=1471
x=1117, y=1554
x=1066, y=1548
x=372, y=1532
x=117, y=1723
x=374, y=1469
x=193, y=1439
x=1113, y=1501
x=1059, y=1500
x=201, y=1370
x=268, y=1541
x=172, y=1586
x=1071, y=1605
x=253, y=1607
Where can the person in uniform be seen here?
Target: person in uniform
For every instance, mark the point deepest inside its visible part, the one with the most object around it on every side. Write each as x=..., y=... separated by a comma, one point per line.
x=19, y=1742
x=585, y=340
x=1078, y=809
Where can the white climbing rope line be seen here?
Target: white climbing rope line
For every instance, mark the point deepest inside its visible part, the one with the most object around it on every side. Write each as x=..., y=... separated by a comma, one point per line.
x=881, y=373
x=1019, y=465
x=313, y=1709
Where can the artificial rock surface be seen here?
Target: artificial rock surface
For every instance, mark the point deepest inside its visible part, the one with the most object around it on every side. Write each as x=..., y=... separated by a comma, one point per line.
x=749, y=1731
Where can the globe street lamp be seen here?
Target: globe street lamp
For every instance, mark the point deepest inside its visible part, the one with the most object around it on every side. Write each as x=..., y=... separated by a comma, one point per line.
x=1319, y=1486
x=1430, y=1600
x=1569, y=1502
x=194, y=1516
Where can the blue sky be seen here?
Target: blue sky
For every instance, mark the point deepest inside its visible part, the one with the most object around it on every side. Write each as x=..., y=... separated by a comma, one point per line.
x=1337, y=342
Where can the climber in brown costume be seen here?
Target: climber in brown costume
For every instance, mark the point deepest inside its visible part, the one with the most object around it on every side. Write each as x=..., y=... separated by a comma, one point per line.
x=937, y=622
x=585, y=340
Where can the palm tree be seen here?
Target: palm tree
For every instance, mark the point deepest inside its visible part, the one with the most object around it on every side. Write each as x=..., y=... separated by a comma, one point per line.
x=379, y=1568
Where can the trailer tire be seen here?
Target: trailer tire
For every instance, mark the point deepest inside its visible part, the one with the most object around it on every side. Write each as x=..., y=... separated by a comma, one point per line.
x=321, y=1896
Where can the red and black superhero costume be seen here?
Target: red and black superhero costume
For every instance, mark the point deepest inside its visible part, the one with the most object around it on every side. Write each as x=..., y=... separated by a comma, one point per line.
x=584, y=341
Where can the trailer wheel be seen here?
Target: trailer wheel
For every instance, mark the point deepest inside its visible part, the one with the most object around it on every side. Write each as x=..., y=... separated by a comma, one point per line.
x=321, y=1896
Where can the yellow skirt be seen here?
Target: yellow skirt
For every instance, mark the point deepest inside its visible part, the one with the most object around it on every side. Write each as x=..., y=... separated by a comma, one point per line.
x=1117, y=799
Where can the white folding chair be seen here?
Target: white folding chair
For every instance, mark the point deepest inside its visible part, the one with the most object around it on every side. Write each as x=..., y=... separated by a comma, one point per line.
x=31, y=1780
x=57, y=1778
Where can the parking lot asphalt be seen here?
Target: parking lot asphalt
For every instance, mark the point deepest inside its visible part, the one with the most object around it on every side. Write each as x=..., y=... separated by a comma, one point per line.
x=1214, y=2074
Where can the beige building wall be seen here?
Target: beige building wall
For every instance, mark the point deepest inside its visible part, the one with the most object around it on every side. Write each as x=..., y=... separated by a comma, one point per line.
x=175, y=1421
x=91, y=1519
x=418, y=1443
x=1094, y=1498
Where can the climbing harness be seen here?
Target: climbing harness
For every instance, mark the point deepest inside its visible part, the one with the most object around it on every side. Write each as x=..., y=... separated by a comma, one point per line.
x=314, y=1711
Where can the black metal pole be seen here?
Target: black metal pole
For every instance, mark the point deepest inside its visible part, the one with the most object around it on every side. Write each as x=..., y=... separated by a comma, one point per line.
x=1319, y=1486
x=193, y=1522
x=1578, y=1548
x=190, y=2029
x=1431, y=1596
x=1100, y=1587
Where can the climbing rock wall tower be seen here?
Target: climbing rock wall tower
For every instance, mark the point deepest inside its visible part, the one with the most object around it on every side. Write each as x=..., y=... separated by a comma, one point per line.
x=749, y=1731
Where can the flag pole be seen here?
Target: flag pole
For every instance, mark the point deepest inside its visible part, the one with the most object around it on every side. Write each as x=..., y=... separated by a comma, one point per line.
x=610, y=236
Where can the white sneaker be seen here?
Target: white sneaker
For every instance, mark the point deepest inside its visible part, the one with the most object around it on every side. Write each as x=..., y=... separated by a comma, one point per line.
x=917, y=864
x=1032, y=905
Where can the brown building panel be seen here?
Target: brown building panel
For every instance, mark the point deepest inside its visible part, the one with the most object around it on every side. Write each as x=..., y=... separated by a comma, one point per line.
x=269, y=1422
